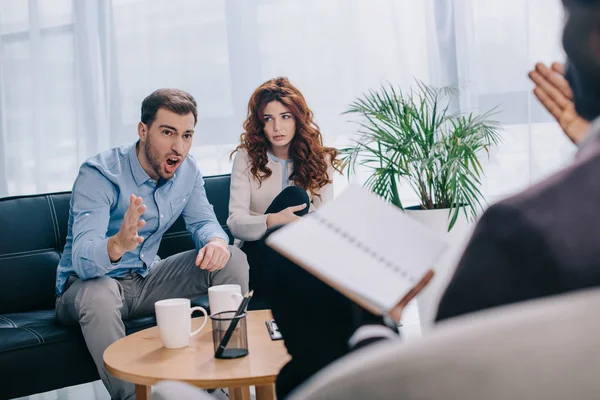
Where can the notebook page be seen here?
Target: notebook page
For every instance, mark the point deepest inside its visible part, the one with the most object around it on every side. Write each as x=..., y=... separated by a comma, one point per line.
x=385, y=230
x=362, y=244
x=340, y=264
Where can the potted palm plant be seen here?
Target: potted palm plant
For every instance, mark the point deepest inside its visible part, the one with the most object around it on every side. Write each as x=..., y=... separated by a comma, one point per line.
x=411, y=138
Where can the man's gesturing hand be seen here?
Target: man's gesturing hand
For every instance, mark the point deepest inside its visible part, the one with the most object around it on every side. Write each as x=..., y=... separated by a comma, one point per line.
x=127, y=238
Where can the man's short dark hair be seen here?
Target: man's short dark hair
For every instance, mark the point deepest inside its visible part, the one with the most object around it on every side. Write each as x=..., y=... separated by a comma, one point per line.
x=174, y=100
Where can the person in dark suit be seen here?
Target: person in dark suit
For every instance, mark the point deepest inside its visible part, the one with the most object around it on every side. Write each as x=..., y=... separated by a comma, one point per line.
x=544, y=241
x=541, y=242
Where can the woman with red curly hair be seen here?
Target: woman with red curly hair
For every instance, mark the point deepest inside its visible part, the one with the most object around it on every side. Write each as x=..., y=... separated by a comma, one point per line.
x=281, y=170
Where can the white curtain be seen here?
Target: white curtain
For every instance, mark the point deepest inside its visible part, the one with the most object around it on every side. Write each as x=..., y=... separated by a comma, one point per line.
x=497, y=42
x=73, y=73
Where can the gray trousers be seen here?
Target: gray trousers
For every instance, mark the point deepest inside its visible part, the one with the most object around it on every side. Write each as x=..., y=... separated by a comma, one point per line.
x=100, y=305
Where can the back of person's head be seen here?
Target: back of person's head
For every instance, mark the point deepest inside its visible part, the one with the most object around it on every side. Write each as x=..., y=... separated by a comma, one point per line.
x=174, y=100
x=581, y=40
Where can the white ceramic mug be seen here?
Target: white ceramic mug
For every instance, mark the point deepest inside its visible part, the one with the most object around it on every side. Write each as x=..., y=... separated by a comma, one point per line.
x=224, y=298
x=174, y=320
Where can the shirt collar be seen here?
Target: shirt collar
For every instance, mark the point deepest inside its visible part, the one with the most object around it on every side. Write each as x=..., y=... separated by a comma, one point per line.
x=139, y=175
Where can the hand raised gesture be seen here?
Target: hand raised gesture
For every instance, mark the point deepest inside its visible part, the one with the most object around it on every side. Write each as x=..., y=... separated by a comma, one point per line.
x=555, y=94
x=127, y=239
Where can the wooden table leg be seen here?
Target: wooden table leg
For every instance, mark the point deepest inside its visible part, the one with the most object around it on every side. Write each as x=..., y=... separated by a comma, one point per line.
x=239, y=393
x=265, y=392
x=142, y=392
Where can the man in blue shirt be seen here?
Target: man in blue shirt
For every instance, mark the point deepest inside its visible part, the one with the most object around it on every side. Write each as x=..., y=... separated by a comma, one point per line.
x=123, y=201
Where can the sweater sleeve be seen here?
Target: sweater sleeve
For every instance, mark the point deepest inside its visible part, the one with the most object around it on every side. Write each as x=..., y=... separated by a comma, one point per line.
x=241, y=223
x=325, y=194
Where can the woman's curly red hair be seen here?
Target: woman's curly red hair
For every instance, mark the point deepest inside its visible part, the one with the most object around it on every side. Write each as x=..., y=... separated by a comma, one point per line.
x=310, y=157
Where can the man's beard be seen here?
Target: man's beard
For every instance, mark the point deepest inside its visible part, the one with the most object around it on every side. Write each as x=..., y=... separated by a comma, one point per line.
x=154, y=159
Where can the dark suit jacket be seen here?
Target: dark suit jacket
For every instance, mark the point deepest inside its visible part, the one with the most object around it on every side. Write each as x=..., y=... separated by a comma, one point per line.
x=543, y=241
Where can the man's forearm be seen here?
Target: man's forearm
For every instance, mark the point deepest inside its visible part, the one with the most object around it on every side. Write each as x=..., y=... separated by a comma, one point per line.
x=91, y=259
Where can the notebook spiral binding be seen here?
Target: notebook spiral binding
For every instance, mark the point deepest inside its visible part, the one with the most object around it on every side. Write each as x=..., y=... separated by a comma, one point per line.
x=388, y=263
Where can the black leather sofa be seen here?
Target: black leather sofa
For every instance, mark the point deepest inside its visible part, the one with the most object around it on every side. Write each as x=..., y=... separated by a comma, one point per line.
x=37, y=353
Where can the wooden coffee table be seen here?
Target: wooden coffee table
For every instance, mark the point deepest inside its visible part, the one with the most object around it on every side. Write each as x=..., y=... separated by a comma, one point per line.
x=142, y=359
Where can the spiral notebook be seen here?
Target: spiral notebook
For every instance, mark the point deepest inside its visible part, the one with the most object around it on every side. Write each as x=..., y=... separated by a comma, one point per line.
x=362, y=246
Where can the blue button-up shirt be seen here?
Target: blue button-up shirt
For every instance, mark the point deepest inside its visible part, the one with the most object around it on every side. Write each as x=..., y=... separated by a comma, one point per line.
x=101, y=197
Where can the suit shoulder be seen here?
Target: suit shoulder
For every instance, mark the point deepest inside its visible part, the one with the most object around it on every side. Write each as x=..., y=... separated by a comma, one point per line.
x=567, y=199
x=565, y=188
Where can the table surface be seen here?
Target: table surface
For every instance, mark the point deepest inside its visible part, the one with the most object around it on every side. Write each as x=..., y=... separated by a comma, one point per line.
x=141, y=358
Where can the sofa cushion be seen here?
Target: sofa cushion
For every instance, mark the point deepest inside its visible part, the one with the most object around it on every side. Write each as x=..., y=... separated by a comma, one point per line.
x=30, y=244
x=30, y=329
x=35, y=344
x=38, y=328
x=28, y=280
x=32, y=222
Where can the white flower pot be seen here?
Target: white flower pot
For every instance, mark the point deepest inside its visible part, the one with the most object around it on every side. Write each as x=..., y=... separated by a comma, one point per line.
x=437, y=221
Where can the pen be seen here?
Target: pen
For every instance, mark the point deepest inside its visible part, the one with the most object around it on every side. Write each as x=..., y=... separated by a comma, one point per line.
x=240, y=311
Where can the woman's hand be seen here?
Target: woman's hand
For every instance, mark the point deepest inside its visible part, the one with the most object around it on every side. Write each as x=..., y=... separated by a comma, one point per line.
x=285, y=216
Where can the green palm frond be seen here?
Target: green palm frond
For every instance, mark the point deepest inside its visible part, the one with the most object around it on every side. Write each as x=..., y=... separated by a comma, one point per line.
x=410, y=137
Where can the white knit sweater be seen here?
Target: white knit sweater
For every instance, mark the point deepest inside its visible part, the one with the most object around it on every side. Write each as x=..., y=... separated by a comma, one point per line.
x=249, y=200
